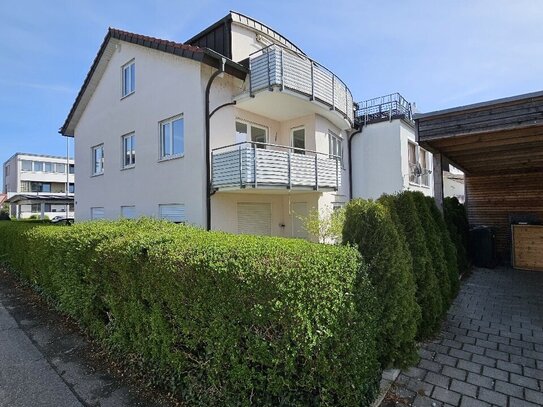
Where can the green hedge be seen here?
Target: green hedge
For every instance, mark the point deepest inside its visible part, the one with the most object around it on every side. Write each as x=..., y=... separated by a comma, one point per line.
x=218, y=319
x=428, y=292
x=435, y=248
x=448, y=246
x=369, y=226
x=457, y=223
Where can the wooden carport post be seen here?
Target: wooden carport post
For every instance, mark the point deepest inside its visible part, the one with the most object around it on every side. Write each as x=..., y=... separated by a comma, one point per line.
x=438, y=180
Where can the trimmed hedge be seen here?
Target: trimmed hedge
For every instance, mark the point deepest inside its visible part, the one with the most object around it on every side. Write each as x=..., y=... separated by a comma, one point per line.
x=218, y=319
x=456, y=220
x=448, y=246
x=435, y=248
x=428, y=292
x=369, y=226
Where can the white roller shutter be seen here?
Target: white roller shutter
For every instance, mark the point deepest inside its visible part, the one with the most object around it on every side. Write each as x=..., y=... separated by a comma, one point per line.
x=172, y=212
x=254, y=218
x=128, y=212
x=97, y=213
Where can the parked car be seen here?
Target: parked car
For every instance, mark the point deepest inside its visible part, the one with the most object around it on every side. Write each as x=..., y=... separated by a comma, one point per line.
x=62, y=220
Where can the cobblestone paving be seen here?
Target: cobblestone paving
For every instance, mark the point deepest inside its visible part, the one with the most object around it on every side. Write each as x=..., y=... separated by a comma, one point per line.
x=490, y=349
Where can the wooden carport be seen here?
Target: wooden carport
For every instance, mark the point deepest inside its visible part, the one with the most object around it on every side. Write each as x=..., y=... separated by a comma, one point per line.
x=499, y=146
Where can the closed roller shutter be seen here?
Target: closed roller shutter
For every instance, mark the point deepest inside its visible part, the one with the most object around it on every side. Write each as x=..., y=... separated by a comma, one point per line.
x=97, y=213
x=254, y=218
x=172, y=212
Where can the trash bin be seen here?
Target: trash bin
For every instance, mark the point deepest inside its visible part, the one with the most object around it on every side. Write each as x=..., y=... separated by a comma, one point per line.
x=482, y=245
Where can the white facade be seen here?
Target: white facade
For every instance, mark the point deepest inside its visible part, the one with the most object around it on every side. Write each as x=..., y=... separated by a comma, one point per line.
x=38, y=175
x=171, y=86
x=380, y=160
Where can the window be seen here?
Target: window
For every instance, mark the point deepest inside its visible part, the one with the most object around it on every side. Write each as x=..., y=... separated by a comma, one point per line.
x=334, y=146
x=38, y=166
x=129, y=150
x=26, y=165
x=129, y=78
x=60, y=168
x=412, y=157
x=71, y=188
x=298, y=140
x=425, y=165
x=97, y=213
x=172, y=212
x=72, y=168
x=39, y=187
x=98, y=160
x=128, y=212
x=48, y=167
x=251, y=132
x=7, y=170
x=35, y=208
x=172, y=138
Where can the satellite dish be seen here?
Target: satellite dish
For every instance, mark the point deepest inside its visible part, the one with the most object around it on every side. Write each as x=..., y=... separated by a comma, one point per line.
x=417, y=170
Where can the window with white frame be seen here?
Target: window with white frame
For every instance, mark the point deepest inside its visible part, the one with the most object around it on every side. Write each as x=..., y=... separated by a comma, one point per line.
x=335, y=145
x=38, y=166
x=48, y=167
x=60, y=168
x=97, y=212
x=251, y=132
x=412, y=159
x=129, y=150
x=173, y=212
x=424, y=160
x=98, y=159
x=128, y=78
x=128, y=212
x=298, y=140
x=26, y=165
x=172, y=137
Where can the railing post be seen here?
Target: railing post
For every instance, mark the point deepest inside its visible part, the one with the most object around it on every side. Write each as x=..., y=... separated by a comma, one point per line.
x=312, y=82
x=337, y=173
x=250, y=79
x=289, y=170
x=333, y=92
x=240, y=167
x=255, y=150
x=282, y=72
x=316, y=173
x=269, y=74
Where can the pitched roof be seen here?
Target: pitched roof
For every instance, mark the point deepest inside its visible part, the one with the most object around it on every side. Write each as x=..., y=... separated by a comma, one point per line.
x=203, y=55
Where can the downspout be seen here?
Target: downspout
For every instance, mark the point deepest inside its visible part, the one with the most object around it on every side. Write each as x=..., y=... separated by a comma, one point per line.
x=351, y=161
x=207, y=138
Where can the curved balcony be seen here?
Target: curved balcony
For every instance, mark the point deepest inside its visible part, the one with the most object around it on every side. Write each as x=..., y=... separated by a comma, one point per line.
x=271, y=166
x=316, y=89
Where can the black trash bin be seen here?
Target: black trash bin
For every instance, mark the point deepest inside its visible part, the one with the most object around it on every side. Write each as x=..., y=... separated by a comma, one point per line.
x=482, y=245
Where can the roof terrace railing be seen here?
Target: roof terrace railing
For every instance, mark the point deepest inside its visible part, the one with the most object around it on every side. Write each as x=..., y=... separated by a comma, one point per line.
x=277, y=66
x=388, y=107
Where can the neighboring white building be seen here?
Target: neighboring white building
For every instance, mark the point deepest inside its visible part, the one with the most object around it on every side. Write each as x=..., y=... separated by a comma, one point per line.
x=453, y=184
x=385, y=157
x=267, y=143
x=41, y=185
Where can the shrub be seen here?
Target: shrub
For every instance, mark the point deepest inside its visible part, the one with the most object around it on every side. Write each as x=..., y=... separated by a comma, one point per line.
x=457, y=223
x=217, y=319
x=448, y=246
x=369, y=226
x=428, y=293
x=435, y=248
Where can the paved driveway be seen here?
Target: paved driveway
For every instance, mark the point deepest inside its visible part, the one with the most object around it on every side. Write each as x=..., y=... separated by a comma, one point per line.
x=490, y=350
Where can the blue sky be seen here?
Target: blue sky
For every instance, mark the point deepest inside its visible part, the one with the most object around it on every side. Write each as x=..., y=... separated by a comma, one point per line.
x=438, y=54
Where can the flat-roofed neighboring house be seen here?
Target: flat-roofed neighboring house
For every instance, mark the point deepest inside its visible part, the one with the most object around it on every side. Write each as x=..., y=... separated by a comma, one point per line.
x=39, y=185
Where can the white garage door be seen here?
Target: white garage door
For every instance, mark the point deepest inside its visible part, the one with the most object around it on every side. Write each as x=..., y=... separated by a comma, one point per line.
x=254, y=218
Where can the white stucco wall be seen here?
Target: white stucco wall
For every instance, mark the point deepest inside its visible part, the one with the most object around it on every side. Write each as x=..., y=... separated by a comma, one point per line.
x=407, y=134
x=166, y=86
x=244, y=42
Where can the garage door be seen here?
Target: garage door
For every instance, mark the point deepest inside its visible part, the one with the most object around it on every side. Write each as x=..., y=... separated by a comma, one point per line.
x=254, y=218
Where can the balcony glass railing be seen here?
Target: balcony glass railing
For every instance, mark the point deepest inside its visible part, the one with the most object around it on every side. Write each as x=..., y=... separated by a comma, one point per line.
x=263, y=165
x=276, y=66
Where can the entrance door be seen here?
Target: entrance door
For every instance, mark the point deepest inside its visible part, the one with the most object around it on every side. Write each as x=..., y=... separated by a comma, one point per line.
x=299, y=214
x=254, y=218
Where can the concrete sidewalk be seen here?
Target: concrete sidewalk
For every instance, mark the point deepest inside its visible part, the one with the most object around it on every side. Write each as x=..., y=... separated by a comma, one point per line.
x=45, y=363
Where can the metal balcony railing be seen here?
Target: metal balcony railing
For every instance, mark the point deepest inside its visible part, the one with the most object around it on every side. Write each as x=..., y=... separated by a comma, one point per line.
x=277, y=66
x=388, y=107
x=264, y=165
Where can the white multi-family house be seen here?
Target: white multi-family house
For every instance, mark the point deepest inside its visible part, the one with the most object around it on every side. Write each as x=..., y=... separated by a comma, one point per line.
x=385, y=157
x=40, y=185
x=236, y=130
